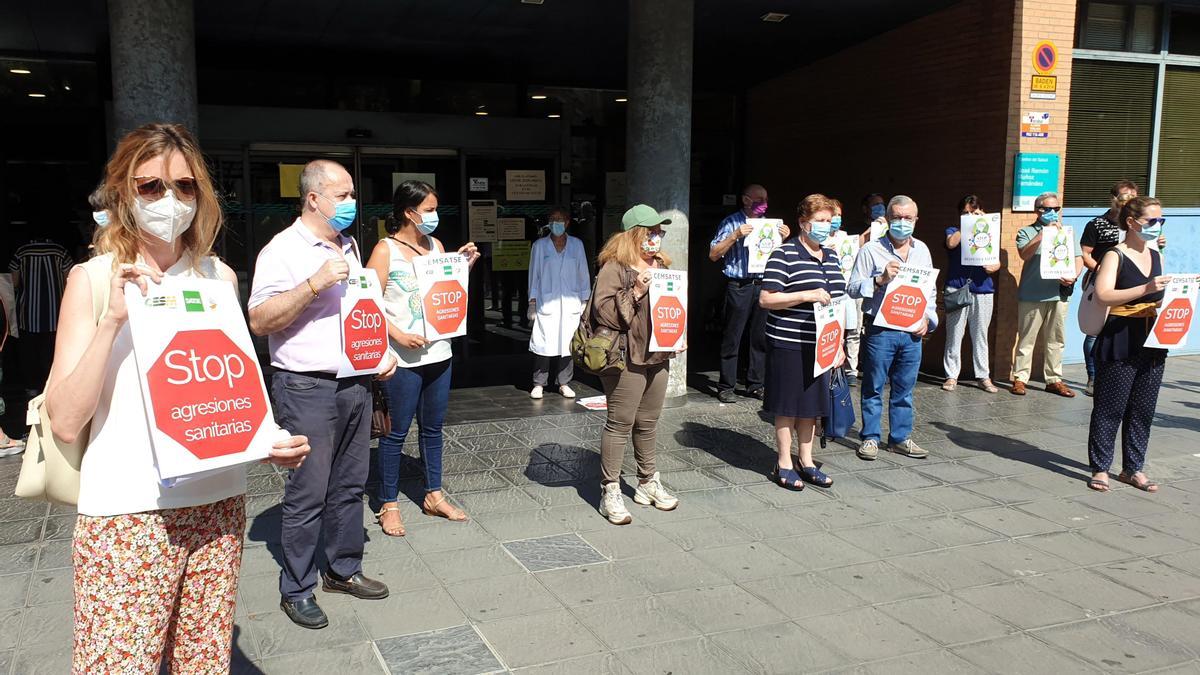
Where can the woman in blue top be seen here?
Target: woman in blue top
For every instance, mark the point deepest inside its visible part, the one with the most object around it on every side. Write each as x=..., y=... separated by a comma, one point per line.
x=977, y=315
x=800, y=275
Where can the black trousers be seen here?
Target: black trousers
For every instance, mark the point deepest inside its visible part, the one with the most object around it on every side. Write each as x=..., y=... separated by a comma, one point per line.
x=741, y=306
x=325, y=494
x=1126, y=395
x=37, y=353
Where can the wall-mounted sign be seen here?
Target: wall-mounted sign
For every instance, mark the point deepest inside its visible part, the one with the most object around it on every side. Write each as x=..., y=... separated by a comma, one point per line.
x=289, y=179
x=1033, y=174
x=524, y=186
x=565, y=178
x=510, y=228
x=1044, y=87
x=1036, y=125
x=481, y=220
x=1045, y=57
x=479, y=184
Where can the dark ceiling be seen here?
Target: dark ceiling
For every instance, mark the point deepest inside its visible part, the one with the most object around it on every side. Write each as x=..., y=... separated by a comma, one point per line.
x=562, y=42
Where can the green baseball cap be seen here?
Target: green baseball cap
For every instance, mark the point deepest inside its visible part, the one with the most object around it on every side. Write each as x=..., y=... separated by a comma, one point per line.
x=642, y=216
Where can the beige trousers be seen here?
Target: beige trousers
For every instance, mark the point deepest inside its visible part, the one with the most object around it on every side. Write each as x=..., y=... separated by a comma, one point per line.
x=1047, y=319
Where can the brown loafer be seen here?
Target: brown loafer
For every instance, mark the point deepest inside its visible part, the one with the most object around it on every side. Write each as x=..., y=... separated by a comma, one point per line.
x=1060, y=389
x=1018, y=388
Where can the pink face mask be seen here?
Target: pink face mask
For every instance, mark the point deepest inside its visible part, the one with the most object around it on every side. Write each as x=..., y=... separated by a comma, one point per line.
x=759, y=209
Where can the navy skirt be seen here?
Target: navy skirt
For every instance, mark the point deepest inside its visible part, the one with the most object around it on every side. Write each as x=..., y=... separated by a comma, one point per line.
x=792, y=391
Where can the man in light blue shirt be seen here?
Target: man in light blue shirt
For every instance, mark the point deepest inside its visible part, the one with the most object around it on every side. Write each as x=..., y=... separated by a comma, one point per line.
x=890, y=355
x=741, y=296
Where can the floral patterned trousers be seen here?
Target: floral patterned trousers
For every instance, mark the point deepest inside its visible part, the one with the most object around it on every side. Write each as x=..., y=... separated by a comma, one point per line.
x=155, y=582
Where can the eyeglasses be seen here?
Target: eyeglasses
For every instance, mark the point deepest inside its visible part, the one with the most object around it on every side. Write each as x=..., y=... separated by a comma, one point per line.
x=1151, y=222
x=1055, y=209
x=154, y=188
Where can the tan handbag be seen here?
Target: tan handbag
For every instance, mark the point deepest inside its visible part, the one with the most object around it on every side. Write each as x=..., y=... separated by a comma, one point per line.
x=50, y=467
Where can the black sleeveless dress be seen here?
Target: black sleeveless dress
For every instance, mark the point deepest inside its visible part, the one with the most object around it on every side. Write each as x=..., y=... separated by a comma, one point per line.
x=1122, y=337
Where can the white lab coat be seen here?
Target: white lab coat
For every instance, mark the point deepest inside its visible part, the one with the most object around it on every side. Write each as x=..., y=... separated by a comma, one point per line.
x=560, y=284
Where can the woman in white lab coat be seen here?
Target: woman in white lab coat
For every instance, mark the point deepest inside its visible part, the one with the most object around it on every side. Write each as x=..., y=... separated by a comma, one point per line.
x=559, y=285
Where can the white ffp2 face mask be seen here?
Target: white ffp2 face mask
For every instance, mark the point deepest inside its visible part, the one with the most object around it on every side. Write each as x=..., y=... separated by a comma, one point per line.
x=165, y=218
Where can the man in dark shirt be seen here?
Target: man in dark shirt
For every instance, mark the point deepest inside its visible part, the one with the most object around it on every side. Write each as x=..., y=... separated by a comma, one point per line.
x=1099, y=235
x=39, y=273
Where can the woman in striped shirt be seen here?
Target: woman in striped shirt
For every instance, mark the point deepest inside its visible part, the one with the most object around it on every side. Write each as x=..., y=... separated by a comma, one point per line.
x=800, y=274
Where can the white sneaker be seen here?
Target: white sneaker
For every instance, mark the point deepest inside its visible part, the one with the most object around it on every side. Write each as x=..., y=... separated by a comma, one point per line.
x=536, y=392
x=612, y=505
x=566, y=391
x=653, y=492
x=16, y=448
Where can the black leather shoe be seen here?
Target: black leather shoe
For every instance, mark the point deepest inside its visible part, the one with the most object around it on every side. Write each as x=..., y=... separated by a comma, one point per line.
x=357, y=585
x=726, y=396
x=304, y=612
x=759, y=393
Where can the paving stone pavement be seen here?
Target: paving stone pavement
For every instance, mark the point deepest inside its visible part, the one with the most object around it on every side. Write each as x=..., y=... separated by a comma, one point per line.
x=989, y=556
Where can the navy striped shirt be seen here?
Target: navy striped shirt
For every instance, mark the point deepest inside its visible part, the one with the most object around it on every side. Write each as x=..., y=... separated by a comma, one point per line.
x=40, y=269
x=792, y=269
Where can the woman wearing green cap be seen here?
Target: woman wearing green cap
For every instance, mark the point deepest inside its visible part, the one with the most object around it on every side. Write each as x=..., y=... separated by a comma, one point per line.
x=635, y=395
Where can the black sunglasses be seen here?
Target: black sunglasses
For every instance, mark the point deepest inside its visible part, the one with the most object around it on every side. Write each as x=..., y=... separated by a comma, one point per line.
x=154, y=188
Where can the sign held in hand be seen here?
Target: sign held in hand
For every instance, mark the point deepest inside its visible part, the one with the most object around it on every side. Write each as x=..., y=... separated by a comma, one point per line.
x=906, y=298
x=668, y=310
x=1174, y=322
x=1057, y=252
x=980, y=239
x=442, y=284
x=830, y=320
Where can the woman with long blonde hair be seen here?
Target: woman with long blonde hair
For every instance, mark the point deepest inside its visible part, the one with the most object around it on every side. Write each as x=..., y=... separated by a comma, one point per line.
x=635, y=394
x=156, y=568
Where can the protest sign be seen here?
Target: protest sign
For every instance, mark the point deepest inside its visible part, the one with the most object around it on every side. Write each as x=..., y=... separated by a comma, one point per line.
x=442, y=284
x=906, y=298
x=201, y=383
x=1057, y=252
x=1174, y=321
x=762, y=240
x=831, y=321
x=363, y=326
x=980, y=239
x=668, y=310
x=846, y=248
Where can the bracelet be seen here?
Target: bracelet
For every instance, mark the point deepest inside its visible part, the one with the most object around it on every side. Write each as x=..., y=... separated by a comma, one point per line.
x=312, y=288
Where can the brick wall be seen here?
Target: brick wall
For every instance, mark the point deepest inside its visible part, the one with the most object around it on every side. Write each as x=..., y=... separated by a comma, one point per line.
x=929, y=109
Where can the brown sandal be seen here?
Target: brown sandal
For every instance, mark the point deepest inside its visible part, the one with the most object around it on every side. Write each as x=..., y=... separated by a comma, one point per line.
x=1144, y=484
x=452, y=512
x=394, y=532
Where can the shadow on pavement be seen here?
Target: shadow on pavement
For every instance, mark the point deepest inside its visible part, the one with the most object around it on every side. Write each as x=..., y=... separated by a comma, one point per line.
x=1004, y=446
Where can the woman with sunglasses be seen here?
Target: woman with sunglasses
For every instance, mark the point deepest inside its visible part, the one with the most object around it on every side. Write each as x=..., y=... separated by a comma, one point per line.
x=156, y=568
x=1128, y=374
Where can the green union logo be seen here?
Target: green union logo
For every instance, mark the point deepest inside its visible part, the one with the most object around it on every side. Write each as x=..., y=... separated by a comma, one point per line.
x=670, y=285
x=192, y=301
x=448, y=270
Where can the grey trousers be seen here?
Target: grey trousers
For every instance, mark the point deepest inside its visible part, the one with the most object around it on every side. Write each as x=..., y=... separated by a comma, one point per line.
x=562, y=376
x=323, y=496
x=976, y=316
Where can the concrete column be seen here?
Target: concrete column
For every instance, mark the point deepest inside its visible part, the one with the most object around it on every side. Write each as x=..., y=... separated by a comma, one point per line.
x=153, y=63
x=658, y=142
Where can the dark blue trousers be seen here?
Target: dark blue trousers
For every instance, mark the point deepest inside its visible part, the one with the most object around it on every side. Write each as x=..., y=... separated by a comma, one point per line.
x=325, y=494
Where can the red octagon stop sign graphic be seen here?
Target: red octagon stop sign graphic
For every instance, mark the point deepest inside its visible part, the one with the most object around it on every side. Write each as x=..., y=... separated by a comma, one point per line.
x=207, y=393
x=904, y=307
x=365, y=335
x=446, y=306
x=670, y=319
x=828, y=343
x=1174, y=322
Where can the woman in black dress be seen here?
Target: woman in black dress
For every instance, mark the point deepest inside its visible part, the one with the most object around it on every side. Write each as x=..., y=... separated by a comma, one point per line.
x=801, y=274
x=1128, y=374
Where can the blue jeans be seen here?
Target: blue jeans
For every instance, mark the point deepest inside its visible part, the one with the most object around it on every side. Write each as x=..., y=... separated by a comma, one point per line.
x=889, y=356
x=1089, y=361
x=420, y=392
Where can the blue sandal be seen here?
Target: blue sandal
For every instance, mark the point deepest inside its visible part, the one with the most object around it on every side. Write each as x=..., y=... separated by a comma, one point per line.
x=788, y=478
x=812, y=474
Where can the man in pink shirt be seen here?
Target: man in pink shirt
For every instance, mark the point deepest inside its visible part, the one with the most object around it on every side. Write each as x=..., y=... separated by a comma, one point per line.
x=296, y=302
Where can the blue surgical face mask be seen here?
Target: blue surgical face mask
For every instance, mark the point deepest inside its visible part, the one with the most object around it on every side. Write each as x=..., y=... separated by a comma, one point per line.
x=878, y=211
x=558, y=228
x=101, y=218
x=429, y=222
x=835, y=224
x=1150, y=231
x=819, y=230
x=343, y=214
x=901, y=228
x=1049, y=217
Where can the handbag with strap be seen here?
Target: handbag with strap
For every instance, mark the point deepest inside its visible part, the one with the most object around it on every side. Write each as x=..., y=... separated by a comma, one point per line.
x=841, y=415
x=50, y=467
x=381, y=418
x=1092, y=313
x=597, y=349
x=954, y=299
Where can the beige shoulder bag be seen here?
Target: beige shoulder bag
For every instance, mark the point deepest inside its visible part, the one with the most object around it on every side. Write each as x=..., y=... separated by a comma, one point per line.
x=50, y=468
